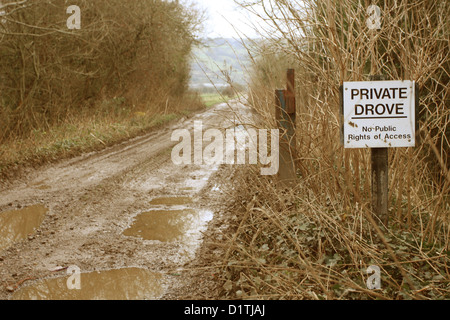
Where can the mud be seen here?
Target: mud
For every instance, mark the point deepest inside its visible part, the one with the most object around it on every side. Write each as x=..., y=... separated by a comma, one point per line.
x=125, y=207
x=171, y=200
x=17, y=225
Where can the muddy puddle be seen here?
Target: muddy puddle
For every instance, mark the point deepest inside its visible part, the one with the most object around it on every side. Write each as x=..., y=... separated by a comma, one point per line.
x=17, y=225
x=120, y=284
x=170, y=225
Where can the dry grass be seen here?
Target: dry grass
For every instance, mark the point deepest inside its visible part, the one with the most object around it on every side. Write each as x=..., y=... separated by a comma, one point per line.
x=300, y=244
x=316, y=241
x=114, y=121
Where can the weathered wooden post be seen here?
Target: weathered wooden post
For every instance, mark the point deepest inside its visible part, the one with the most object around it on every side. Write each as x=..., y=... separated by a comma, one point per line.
x=380, y=186
x=286, y=115
x=290, y=93
x=380, y=176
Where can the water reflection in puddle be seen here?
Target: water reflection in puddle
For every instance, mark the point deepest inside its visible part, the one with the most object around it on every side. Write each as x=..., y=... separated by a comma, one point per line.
x=16, y=225
x=120, y=284
x=170, y=225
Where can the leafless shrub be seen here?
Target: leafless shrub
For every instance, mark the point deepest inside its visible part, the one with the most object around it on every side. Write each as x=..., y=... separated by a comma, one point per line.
x=138, y=50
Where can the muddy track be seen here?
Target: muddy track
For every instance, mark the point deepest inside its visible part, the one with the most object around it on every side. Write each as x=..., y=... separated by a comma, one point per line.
x=94, y=199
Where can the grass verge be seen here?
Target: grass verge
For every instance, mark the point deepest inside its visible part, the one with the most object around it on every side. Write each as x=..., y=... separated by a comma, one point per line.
x=211, y=99
x=79, y=135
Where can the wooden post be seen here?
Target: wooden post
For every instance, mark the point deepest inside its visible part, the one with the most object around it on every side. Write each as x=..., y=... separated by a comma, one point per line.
x=290, y=92
x=286, y=115
x=380, y=173
x=380, y=176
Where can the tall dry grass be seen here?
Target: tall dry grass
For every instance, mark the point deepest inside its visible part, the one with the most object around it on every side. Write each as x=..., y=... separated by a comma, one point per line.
x=316, y=240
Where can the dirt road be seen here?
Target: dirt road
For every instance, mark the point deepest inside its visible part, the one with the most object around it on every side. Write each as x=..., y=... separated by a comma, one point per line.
x=126, y=218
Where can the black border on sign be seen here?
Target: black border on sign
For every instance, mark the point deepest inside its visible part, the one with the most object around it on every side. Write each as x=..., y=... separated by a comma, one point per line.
x=417, y=112
x=341, y=111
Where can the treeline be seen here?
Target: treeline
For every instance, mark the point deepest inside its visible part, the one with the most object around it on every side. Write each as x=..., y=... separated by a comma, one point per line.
x=136, y=51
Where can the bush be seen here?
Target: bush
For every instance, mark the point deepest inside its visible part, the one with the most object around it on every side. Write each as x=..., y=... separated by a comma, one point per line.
x=136, y=49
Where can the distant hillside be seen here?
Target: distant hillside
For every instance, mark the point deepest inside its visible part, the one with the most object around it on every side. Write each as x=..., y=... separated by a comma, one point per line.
x=214, y=59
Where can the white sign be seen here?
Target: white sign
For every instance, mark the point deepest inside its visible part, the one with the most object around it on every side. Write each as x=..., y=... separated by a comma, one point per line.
x=379, y=114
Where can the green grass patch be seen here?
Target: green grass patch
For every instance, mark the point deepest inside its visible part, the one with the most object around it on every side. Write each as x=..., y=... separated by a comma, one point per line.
x=211, y=99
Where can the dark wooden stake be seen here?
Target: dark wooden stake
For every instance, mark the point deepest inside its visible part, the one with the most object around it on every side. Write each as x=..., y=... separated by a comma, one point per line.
x=380, y=193
x=380, y=177
x=290, y=92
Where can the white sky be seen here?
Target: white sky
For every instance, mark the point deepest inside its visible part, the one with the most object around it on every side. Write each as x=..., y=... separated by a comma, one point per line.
x=222, y=14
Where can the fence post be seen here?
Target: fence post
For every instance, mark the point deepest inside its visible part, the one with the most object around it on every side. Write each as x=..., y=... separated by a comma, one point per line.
x=285, y=116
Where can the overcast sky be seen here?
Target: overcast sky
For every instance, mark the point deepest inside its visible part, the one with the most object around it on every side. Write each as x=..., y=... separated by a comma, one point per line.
x=221, y=14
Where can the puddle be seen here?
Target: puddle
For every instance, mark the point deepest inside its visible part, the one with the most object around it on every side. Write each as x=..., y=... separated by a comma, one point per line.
x=16, y=225
x=120, y=284
x=170, y=225
x=172, y=201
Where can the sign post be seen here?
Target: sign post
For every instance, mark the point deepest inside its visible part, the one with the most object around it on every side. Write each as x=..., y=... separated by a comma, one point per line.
x=379, y=115
x=380, y=182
